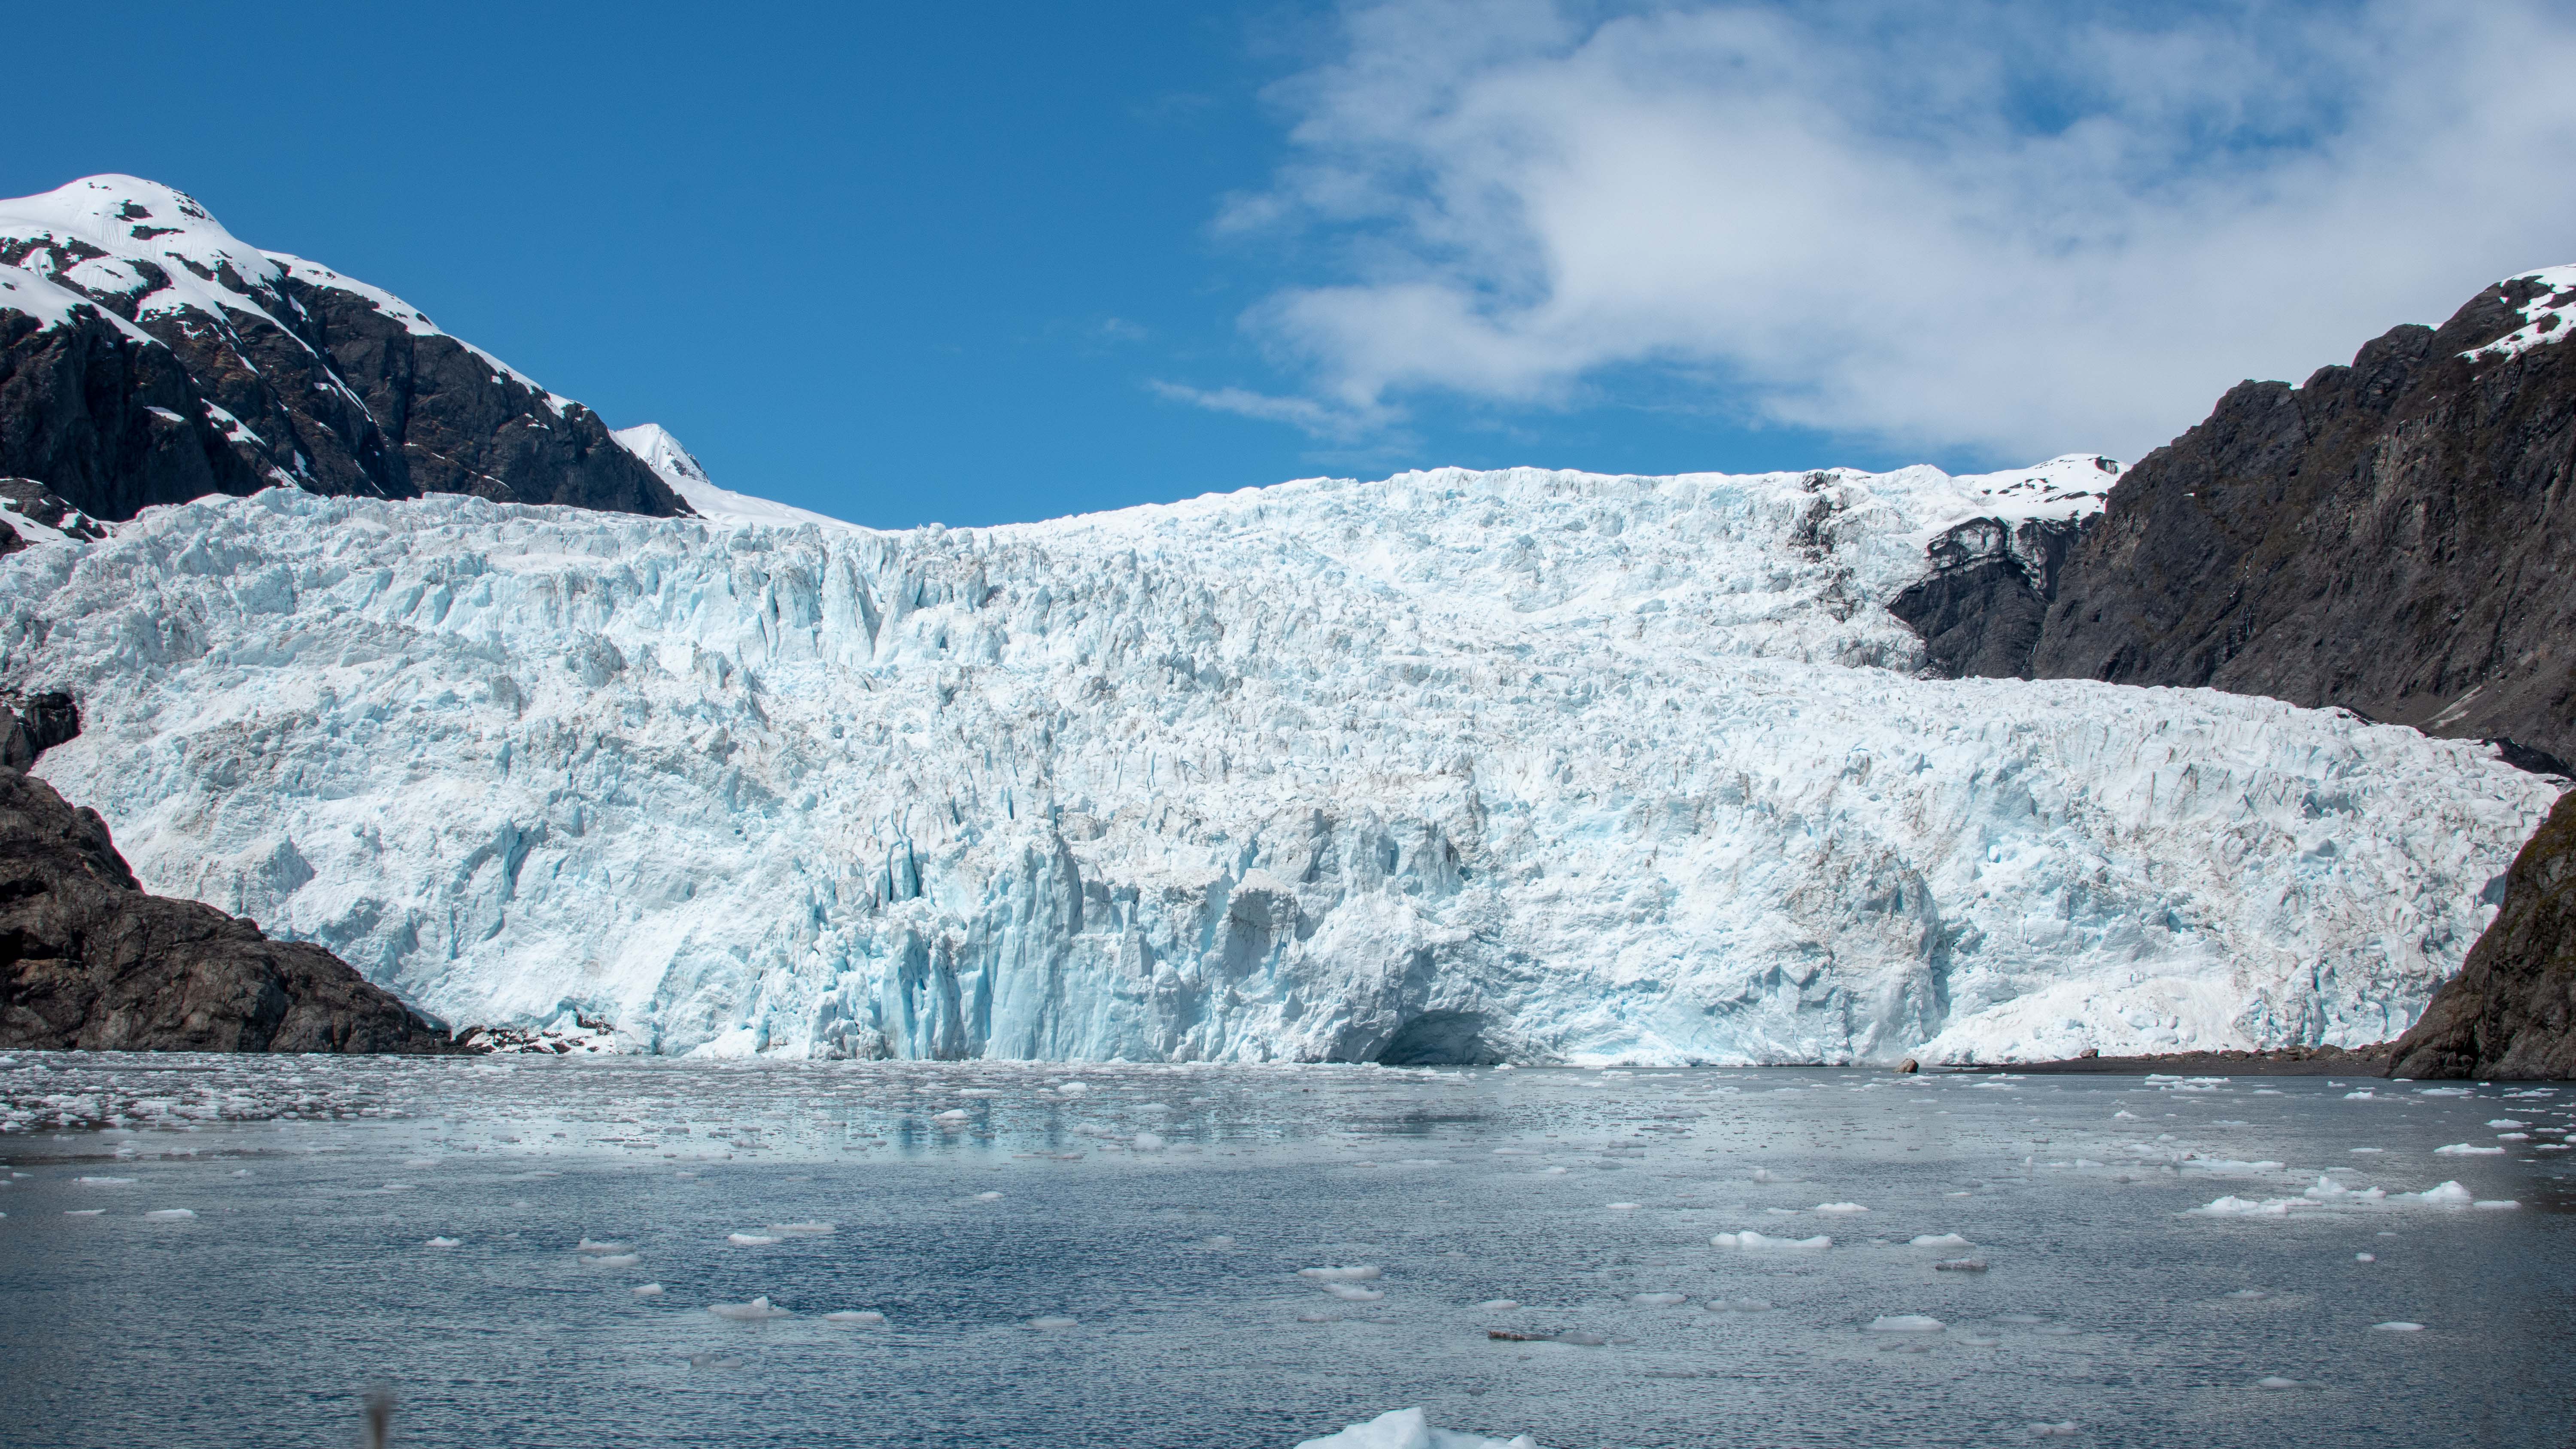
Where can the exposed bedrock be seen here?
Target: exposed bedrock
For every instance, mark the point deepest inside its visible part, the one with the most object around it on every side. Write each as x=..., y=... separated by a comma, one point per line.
x=2511, y=1012
x=2395, y=537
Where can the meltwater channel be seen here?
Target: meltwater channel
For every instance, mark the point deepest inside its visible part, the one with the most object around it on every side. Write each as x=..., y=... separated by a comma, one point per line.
x=524, y=1251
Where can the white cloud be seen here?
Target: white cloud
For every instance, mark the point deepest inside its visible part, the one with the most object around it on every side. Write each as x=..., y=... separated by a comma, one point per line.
x=1322, y=419
x=1999, y=228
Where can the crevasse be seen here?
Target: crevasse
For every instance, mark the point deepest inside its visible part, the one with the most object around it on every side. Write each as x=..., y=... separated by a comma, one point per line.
x=1456, y=766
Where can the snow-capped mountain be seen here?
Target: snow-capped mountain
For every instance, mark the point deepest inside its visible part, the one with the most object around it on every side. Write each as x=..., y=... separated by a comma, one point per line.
x=151, y=357
x=679, y=468
x=1542, y=765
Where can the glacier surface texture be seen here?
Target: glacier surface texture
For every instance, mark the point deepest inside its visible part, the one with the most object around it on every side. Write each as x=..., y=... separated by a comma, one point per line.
x=1457, y=766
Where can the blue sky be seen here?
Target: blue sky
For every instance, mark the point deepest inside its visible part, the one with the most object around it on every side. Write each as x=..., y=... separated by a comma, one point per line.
x=993, y=262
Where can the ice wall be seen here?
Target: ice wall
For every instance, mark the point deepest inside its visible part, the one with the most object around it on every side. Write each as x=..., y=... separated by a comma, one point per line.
x=1542, y=766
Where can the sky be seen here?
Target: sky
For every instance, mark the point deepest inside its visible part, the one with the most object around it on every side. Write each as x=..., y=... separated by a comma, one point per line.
x=982, y=263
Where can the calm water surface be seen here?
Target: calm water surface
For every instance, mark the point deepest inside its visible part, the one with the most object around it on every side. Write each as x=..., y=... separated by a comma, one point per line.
x=1166, y=1213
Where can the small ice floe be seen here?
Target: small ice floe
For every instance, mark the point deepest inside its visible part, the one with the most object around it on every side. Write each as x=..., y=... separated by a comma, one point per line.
x=103, y=1181
x=756, y=1309
x=953, y=1114
x=1940, y=1240
x=2275, y=1381
x=2124, y=1115
x=2505, y=1122
x=1358, y=1273
x=2490, y=1203
x=855, y=1318
x=804, y=1230
x=988, y=1197
x=1960, y=1265
x=593, y=1245
x=2366, y=1149
x=1840, y=1209
x=753, y=1240
x=2467, y=1149
x=2362, y=1095
x=1499, y=1305
x=2397, y=1325
x=612, y=1260
x=1764, y=1174
x=1052, y=1322
x=1623, y=1207
x=2062, y=1429
x=1073, y=1089
x=1410, y=1429
x=1353, y=1293
x=2446, y=1194
x=168, y=1215
x=2365, y=1257
x=2250, y=1294
x=1905, y=1323
x=1148, y=1142
x=2513, y=1137
x=646, y=1290
x=1751, y=1239
x=1658, y=1300
x=84, y=1212
x=444, y=1242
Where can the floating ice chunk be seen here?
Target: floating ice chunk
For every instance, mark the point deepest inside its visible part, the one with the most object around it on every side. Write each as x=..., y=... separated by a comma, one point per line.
x=1905, y=1323
x=588, y=1245
x=103, y=1181
x=1409, y=1429
x=752, y=1240
x=1841, y=1209
x=647, y=1290
x=1940, y=1240
x=855, y=1318
x=83, y=1212
x=1052, y=1322
x=2467, y=1149
x=2447, y=1194
x=1764, y=1174
x=613, y=1260
x=1657, y=1300
x=953, y=1114
x=2490, y=1203
x=2398, y=1325
x=1751, y=1239
x=1551, y=1172
x=757, y=1308
x=1353, y=1293
x=2275, y=1381
x=1073, y=1089
x=1623, y=1207
x=988, y=1197
x=1499, y=1305
x=2124, y=1115
x=175, y=1215
x=804, y=1230
x=1514, y=1152
x=2232, y=1206
x=1359, y=1273
x=2505, y=1122
x=2364, y=1095
x=1148, y=1142
x=2366, y=1149
x=2326, y=1189
x=2365, y=1257
x=444, y=1242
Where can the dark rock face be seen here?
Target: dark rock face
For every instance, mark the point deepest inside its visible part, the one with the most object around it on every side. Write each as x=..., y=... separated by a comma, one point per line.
x=1980, y=609
x=42, y=722
x=88, y=960
x=2396, y=537
x=262, y=371
x=2511, y=1012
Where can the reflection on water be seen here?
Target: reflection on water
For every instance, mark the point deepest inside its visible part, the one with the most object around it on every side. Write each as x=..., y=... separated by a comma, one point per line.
x=527, y=1251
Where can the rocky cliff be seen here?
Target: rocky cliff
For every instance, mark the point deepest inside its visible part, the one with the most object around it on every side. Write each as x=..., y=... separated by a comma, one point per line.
x=2511, y=1012
x=147, y=356
x=88, y=960
x=2396, y=537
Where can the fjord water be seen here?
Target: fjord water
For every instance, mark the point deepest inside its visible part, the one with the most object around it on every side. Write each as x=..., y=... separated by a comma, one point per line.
x=1155, y=1220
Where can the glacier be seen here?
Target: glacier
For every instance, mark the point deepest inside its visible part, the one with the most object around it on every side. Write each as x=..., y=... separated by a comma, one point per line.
x=1523, y=765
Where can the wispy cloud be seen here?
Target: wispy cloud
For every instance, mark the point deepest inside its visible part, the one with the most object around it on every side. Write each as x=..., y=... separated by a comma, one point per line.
x=2001, y=228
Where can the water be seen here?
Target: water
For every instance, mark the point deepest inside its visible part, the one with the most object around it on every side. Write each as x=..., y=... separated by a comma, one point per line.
x=303, y=1279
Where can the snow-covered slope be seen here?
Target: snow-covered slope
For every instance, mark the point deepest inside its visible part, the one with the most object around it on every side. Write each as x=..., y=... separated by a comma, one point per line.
x=1544, y=765
x=678, y=467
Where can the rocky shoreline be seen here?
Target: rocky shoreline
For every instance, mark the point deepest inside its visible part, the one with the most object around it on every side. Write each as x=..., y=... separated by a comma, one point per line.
x=2320, y=1061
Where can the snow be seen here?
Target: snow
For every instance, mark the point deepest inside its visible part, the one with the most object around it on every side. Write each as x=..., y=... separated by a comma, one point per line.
x=52, y=305
x=2545, y=317
x=676, y=466
x=1542, y=765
